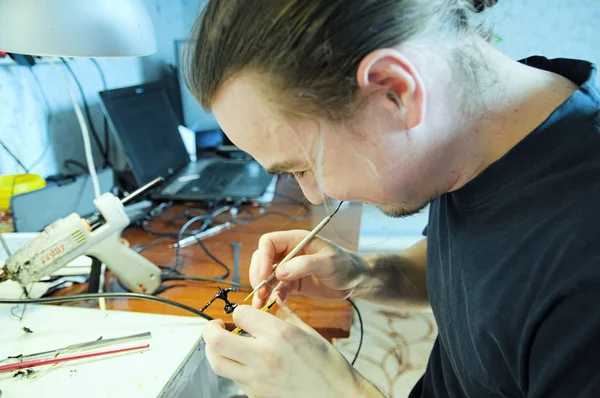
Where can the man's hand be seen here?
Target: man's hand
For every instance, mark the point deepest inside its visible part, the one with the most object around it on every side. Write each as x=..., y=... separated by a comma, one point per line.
x=326, y=271
x=283, y=358
x=321, y=269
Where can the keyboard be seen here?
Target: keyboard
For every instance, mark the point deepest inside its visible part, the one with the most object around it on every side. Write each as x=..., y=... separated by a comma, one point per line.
x=214, y=178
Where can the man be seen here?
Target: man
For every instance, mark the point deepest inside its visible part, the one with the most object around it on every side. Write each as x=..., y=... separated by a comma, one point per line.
x=402, y=103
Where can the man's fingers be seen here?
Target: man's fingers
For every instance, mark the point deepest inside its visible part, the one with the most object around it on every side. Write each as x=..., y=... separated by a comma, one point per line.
x=254, y=269
x=280, y=242
x=254, y=321
x=225, y=344
x=273, y=247
x=227, y=368
x=286, y=314
x=261, y=297
x=301, y=266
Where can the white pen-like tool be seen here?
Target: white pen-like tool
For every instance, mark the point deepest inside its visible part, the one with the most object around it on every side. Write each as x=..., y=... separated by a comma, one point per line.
x=296, y=249
x=190, y=240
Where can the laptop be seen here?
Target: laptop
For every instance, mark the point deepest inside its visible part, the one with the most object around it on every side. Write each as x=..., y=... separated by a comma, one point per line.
x=146, y=126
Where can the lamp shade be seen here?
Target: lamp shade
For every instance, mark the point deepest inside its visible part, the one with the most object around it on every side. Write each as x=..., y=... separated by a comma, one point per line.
x=76, y=28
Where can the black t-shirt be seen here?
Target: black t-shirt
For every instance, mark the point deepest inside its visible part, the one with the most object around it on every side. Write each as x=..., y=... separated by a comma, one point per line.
x=513, y=263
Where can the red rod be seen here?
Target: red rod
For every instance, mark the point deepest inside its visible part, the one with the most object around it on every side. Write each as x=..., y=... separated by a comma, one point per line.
x=51, y=361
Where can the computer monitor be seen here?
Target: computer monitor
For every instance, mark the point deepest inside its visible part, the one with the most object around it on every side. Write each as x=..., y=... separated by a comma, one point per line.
x=146, y=127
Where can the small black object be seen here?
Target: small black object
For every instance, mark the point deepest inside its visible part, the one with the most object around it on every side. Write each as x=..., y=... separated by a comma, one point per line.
x=95, y=274
x=24, y=373
x=229, y=307
x=22, y=59
x=222, y=295
x=27, y=330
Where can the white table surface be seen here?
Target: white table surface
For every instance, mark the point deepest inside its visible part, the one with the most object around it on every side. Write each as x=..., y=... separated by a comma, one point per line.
x=137, y=374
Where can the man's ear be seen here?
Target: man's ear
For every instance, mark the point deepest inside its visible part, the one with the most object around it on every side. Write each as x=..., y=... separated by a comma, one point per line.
x=389, y=70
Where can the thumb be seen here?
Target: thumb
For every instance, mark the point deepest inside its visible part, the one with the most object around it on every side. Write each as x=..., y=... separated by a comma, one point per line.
x=301, y=266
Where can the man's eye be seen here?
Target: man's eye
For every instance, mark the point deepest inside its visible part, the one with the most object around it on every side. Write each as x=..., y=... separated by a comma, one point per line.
x=299, y=174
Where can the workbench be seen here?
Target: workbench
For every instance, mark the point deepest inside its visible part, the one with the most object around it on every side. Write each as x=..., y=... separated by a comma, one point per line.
x=330, y=319
x=174, y=365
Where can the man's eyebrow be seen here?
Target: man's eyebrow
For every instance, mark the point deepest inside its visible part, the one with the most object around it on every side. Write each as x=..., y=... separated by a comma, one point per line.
x=284, y=167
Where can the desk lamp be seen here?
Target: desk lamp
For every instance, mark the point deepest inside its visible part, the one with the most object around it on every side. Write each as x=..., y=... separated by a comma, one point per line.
x=77, y=28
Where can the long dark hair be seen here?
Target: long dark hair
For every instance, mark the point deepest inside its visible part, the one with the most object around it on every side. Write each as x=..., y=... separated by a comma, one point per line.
x=308, y=51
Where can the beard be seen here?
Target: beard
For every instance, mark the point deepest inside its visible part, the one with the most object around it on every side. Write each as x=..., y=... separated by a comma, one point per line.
x=403, y=211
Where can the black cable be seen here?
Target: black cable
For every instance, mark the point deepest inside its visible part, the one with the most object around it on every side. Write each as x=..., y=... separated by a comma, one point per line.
x=106, y=132
x=48, y=120
x=360, y=321
x=236, y=220
x=88, y=114
x=93, y=296
x=188, y=213
x=140, y=249
x=216, y=260
x=182, y=277
x=207, y=220
x=268, y=214
x=67, y=163
x=173, y=235
x=250, y=218
x=180, y=237
x=12, y=155
x=208, y=253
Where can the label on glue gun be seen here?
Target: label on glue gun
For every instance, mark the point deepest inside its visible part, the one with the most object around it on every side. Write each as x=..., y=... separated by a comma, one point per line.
x=49, y=256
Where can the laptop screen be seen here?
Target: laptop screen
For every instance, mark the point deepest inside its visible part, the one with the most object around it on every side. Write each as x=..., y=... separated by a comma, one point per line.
x=145, y=123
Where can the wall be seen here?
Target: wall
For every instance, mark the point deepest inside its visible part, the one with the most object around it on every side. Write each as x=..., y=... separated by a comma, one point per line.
x=24, y=124
x=555, y=28
x=552, y=28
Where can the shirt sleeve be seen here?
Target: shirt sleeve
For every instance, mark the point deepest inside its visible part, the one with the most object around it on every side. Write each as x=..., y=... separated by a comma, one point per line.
x=564, y=358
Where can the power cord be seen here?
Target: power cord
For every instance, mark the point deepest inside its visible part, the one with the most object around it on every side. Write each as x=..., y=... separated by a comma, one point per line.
x=12, y=155
x=93, y=296
x=88, y=114
x=48, y=120
x=106, y=132
x=169, y=235
x=85, y=135
x=250, y=218
x=207, y=219
x=69, y=162
x=181, y=234
x=178, y=276
x=360, y=321
x=147, y=246
x=216, y=260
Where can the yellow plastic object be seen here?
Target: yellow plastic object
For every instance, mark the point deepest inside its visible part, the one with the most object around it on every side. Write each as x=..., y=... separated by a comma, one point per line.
x=15, y=184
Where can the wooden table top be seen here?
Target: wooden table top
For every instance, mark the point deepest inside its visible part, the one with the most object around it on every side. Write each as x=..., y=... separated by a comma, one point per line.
x=331, y=319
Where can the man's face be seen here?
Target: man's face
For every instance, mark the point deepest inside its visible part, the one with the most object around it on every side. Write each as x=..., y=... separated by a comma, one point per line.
x=370, y=159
